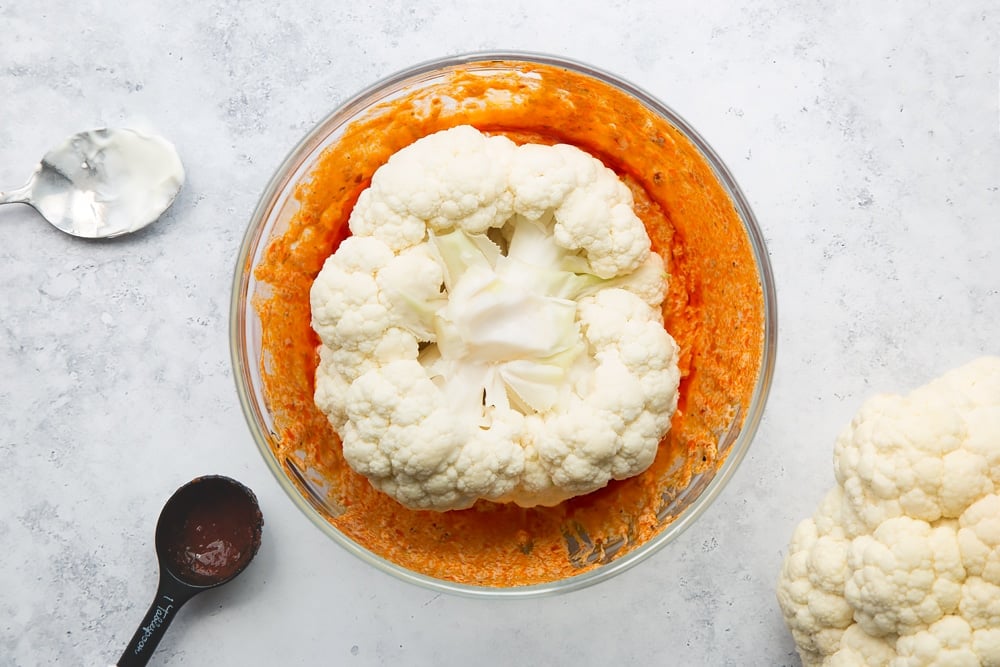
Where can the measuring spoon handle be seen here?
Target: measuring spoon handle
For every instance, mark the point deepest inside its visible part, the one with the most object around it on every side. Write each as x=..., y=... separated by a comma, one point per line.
x=170, y=595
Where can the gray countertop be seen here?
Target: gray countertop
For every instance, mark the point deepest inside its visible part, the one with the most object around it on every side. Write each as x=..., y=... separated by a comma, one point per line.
x=865, y=136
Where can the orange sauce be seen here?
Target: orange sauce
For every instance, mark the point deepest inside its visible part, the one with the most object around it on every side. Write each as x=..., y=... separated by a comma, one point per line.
x=713, y=308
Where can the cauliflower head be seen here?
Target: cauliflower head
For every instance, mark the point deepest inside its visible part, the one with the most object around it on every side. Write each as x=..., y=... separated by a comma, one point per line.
x=492, y=327
x=900, y=564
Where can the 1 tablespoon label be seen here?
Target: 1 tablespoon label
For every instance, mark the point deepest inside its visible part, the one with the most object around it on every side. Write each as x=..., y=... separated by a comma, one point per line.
x=159, y=617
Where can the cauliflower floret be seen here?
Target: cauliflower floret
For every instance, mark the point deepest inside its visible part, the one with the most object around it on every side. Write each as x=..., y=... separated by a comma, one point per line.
x=592, y=207
x=982, y=424
x=980, y=603
x=634, y=386
x=608, y=425
x=979, y=538
x=457, y=178
x=646, y=282
x=859, y=649
x=967, y=388
x=346, y=311
x=331, y=386
x=910, y=456
x=904, y=576
x=912, y=533
x=404, y=436
x=986, y=644
x=492, y=329
x=890, y=460
x=811, y=586
x=411, y=287
x=948, y=642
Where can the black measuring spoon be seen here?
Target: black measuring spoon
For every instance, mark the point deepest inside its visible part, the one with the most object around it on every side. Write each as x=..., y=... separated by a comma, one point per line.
x=207, y=533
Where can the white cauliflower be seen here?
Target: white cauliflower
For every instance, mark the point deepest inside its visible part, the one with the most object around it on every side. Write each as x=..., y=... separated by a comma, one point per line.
x=492, y=327
x=857, y=648
x=900, y=564
x=947, y=642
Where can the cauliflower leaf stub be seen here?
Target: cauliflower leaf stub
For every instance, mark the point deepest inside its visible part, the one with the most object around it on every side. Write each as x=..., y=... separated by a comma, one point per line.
x=492, y=327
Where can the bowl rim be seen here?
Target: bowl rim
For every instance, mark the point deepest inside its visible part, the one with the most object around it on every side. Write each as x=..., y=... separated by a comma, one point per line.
x=250, y=246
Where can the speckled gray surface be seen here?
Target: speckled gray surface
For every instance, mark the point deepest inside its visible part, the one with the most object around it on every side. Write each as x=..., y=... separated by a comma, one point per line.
x=866, y=137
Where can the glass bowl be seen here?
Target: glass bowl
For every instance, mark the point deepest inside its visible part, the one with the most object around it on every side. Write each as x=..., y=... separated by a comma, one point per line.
x=720, y=307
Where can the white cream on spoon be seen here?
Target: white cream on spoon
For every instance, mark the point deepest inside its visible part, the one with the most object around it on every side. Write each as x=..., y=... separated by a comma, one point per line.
x=103, y=183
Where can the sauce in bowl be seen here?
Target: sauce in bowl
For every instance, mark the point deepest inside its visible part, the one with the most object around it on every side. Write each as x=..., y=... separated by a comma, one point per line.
x=714, y=308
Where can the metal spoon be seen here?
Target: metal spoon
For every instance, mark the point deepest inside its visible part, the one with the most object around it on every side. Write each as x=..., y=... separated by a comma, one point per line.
x=103, y=183
x=208, y=532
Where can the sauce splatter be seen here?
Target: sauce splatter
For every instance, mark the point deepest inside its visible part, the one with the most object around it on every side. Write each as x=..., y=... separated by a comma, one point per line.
x=714, y=309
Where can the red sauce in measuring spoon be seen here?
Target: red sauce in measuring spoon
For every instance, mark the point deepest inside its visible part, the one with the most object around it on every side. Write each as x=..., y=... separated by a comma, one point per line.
x=214, y=533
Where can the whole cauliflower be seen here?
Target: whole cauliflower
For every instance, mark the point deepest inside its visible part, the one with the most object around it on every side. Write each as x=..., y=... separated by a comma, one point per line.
x=492, y=327
x=900, y=564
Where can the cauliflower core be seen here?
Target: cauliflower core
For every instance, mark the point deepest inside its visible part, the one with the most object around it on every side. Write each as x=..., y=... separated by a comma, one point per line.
x=492, y=327
x=900, y=565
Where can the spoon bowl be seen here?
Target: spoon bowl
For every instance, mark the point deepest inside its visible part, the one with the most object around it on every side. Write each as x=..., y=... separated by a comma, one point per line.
x=103, y=183
x=208, y=532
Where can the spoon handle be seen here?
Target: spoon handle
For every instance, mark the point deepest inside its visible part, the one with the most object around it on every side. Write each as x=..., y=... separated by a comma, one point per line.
x=21, y=195
x=170, y=595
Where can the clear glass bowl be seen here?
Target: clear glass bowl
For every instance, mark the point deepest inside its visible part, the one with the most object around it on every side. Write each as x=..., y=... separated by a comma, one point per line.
x=430, y=93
